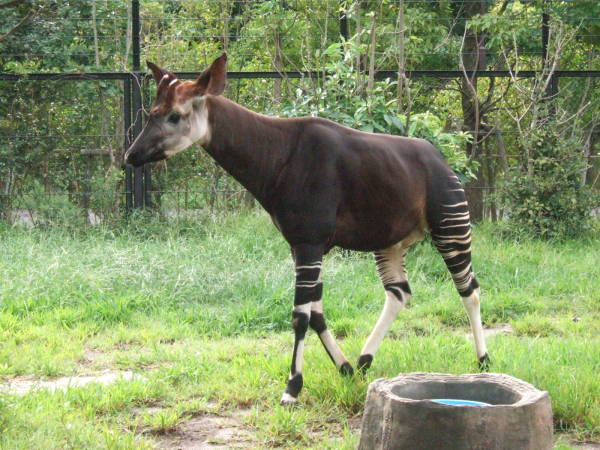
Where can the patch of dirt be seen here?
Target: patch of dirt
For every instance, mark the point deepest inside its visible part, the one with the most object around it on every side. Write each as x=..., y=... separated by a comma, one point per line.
x=494, y=330
x=24, y=384
x=91, y=357
x=355, y=423
x=588, y=445
x=209, y=431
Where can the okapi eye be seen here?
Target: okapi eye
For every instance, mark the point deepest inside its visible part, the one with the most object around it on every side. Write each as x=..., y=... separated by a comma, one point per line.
x=173, y=118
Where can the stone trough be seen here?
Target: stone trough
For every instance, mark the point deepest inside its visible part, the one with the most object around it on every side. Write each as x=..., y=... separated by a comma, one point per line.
x=401, y=413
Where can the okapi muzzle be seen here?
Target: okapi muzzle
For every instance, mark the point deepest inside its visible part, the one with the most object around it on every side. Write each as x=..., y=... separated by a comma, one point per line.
x=149, y=145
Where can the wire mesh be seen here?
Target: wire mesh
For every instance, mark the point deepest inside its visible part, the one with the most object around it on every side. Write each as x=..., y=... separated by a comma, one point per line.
x=46, y=124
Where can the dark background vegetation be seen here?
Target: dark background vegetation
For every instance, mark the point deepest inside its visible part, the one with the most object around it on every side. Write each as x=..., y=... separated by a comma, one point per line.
x=489, y=128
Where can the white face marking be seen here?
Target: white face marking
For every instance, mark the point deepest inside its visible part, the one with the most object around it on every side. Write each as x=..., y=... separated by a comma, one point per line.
x=198, y=131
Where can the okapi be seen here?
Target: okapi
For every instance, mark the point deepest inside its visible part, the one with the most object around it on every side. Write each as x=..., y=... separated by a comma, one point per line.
x=324, y=185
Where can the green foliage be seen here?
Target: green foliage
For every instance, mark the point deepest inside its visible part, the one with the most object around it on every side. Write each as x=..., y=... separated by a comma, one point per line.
x=344, y=96
x=545, y=195
x=451, y=144
x=47, y=209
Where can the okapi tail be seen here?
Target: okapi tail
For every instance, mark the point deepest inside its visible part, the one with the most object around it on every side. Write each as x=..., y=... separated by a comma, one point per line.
x=451, y=233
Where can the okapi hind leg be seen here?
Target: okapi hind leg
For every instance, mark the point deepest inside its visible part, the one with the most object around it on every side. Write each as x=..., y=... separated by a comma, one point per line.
x=390, y=267
x=472, y=305
x=452, y=238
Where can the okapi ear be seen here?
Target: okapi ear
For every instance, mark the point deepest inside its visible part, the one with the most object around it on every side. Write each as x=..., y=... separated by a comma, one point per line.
x=213, y=80
x=158, y=72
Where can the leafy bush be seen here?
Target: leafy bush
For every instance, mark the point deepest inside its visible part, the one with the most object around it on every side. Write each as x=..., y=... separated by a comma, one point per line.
x=45, y=208
x=545, y=195
x=344, y=97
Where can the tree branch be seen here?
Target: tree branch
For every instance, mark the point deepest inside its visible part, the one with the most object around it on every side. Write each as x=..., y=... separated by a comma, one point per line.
x=23, y=21
x=11, y=3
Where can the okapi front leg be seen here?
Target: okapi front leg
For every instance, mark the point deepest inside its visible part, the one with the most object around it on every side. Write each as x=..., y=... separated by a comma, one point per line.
x=309, y=288
x=317, y=323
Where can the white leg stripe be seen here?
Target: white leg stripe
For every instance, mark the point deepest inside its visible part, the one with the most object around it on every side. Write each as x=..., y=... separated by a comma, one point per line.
x=456, y=205
x=304, y=309
x=472, y=306
x=287, y=398
x=299, y=356
x=332, y=347
x=464, y=218
x=308, y=285
x=327, y=338
x=454, y=253
x=464, y=213
x=312, y=266
x=390, y=310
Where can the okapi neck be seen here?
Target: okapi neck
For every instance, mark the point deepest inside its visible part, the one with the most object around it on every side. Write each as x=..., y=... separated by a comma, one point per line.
x=251, y=147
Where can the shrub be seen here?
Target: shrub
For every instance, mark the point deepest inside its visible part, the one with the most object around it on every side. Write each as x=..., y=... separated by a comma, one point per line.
x=46, y=208
x=545, y=195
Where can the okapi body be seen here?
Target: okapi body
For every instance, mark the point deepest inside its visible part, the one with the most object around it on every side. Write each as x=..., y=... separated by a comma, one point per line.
x=324, y=185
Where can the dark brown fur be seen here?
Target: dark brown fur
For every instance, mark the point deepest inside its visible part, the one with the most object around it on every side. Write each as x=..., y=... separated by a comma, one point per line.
x=326, y=183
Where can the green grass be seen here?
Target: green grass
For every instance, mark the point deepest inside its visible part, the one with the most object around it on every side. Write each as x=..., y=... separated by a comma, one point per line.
x=202, y=312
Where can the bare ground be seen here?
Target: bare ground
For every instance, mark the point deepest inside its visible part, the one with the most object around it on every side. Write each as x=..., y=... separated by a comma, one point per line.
x=494, y=330
x=24, y=384
x=210, y=431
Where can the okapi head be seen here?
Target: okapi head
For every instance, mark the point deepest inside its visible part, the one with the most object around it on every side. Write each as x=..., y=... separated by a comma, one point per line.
x=179, y=116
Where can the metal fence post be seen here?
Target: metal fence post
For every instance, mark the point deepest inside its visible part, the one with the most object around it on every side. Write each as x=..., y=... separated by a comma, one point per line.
x=552, y=88
x=141, y=175
x=127, y=142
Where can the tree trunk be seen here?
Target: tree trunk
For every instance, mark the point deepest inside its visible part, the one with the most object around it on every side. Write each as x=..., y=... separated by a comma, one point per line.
x=473, y=58
x=372, y=45
x=95, y=30
x=128, y=38
x=588, y=145
x=401, y=55
x=357, y=39
x=278, y=66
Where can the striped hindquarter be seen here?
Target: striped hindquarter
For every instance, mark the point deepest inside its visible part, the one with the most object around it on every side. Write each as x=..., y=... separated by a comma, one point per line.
x=452, y=238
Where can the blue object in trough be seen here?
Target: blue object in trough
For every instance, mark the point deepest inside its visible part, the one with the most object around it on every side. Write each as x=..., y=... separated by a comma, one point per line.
x=457, y=402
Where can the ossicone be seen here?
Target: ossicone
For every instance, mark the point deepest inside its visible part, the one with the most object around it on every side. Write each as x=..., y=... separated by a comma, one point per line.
x=158, y=72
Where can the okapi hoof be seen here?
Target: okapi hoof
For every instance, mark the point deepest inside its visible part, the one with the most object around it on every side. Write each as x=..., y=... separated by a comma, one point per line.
x=346, y=369
x=294, y=386
x=364, y=362
x=484, y=363
x=287, y=400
